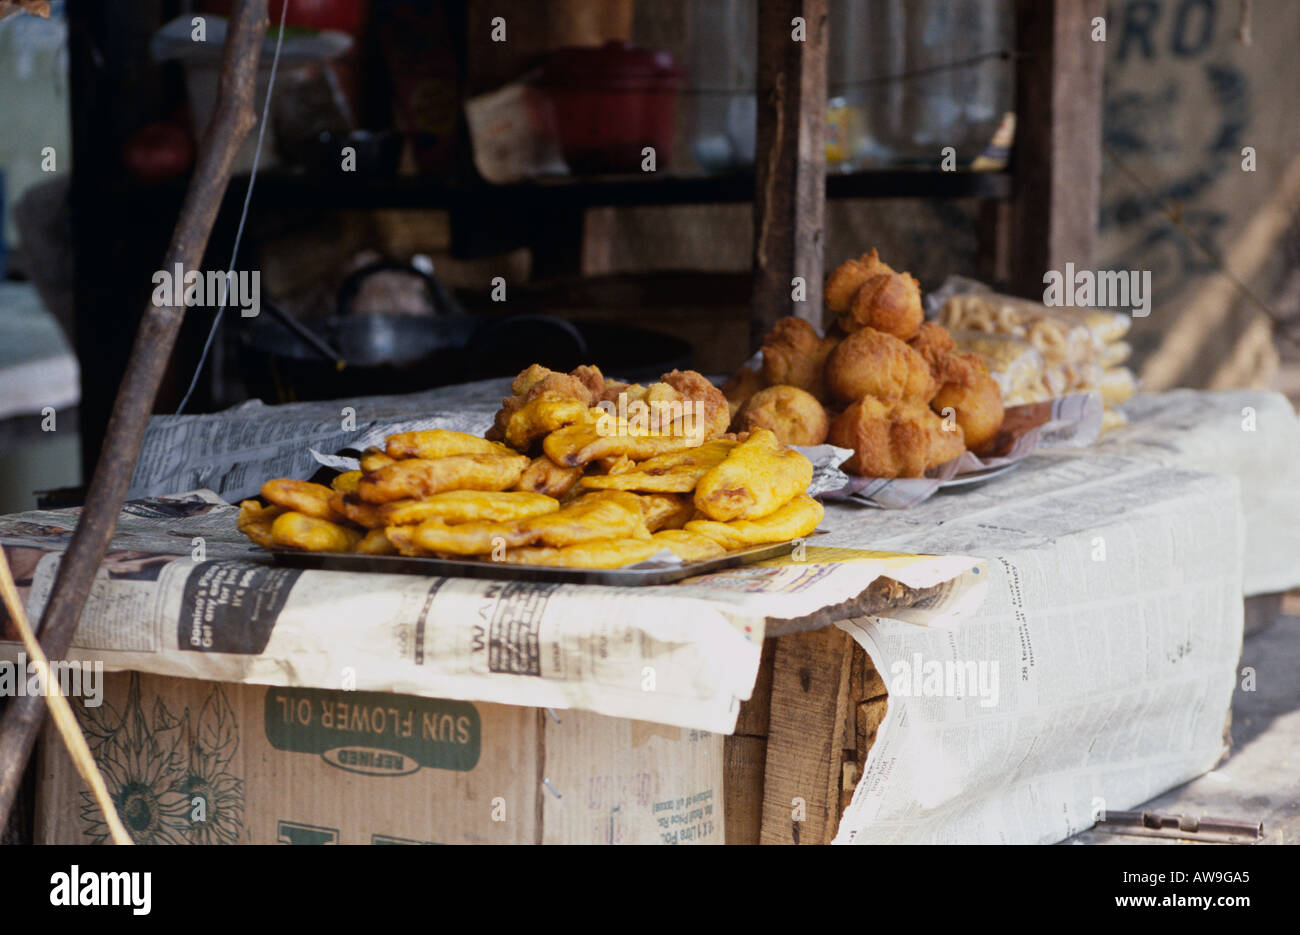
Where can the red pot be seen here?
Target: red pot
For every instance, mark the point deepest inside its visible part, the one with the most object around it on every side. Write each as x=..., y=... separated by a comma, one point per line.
x=612, y=101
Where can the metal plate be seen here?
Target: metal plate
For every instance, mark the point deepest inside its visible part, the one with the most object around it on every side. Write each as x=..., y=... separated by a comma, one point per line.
x=975, y=477
x=451, y=568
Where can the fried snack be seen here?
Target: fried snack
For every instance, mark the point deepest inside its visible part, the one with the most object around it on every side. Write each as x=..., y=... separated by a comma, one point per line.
x=665, y=510
x=688, y=546
x=1117, y=385
x=544, y=414
x=375, y=542
x=546, y=477
x=904, y=439
x=757, y=477
x=794, y=355
x=844, y=282
x=537, y=381
x=467, y=506
x=888, y=302
x=602, y=553
x=677, y=472
x=796, y=518
x=794, y=415
x=302, y=497
x=743, y=384
x=974, y=397
x=872, y=363
x=372, y=459
x=255, y=521
x=713, y=415
x=418, y=479
x=933, y=342
x=604, y=515
x=346, y=482
x=440, y=443
x=402, y=538
x=576, y=445
x=295, y=531
x=356, y=510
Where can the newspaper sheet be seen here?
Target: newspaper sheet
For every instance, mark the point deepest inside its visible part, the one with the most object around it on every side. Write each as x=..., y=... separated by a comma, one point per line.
x=182, y=593
x=1098, y=673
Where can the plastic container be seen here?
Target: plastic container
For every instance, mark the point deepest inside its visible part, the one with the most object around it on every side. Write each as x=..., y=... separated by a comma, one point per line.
x=723, y=66
x=611, y=102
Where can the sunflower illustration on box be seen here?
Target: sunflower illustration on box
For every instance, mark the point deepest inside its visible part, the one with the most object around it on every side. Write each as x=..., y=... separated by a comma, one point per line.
x=169, y=776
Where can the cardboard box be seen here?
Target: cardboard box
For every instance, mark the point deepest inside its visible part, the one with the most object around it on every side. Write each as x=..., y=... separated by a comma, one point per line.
x=191, y=761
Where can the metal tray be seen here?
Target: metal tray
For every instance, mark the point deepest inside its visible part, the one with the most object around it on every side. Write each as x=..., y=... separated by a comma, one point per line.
x=452, y=568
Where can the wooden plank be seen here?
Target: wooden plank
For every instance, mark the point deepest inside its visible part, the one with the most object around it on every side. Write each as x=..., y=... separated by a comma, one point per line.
x=745, y=757
x=1057, y=158
x=790, y=184
x=806, y=738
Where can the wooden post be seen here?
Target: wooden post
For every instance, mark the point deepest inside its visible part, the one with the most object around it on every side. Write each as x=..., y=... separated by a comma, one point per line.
x=231, y=121
x=790, y=169
x=1057, y=161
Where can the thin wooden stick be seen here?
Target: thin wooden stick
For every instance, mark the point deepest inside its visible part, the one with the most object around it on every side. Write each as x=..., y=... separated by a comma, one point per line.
x=60, y=710
x=231, y=121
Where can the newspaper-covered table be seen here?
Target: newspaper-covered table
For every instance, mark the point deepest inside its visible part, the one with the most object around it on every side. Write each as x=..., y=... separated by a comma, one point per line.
x=1113, y=613
x=183, y=593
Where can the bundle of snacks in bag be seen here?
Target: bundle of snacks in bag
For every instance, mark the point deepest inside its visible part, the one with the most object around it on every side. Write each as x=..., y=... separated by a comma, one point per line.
x=1082, y=349
x=578, y=471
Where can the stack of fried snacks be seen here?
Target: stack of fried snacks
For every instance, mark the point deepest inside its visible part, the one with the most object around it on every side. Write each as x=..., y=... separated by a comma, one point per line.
x=582, y=473
x=1081, y=349
x=884, y=382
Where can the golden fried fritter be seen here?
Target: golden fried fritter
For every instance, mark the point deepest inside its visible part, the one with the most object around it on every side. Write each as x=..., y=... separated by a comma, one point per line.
x=576, y=445
x=974, y=397
x=295, y=531
x=743, y=384
x=602, y=553
x=677, y=472
x=713, y=414
x=439, y=443
x=904, y=439
x=665, y=510
x=542, y=415
x=756, y=478
x=418, y=479
x=794, y=355
x=372, y=459
x=933, y=342
x=794, y=415
x=402, y=538
x=346, y=482
x=844, y=282
x=375, y=542
x=796, y=518
x=356, y=510
x=688, y=546
x=888, y=302
x=872, y=363
x=255, y=521
x=467, y=506
x=537, y=381
x=302, y=497
x=545, y=476
x=607, y=514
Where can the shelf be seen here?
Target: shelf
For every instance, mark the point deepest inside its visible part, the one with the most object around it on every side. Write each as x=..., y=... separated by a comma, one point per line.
x=284, y=190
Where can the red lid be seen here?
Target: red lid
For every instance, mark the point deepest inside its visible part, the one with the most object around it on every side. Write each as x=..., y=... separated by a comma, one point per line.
x=614, y=62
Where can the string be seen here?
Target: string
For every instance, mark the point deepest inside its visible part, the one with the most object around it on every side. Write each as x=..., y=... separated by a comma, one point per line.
x=243, y=217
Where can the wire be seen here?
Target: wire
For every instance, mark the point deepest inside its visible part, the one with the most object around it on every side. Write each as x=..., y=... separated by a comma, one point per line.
x=243, y=217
